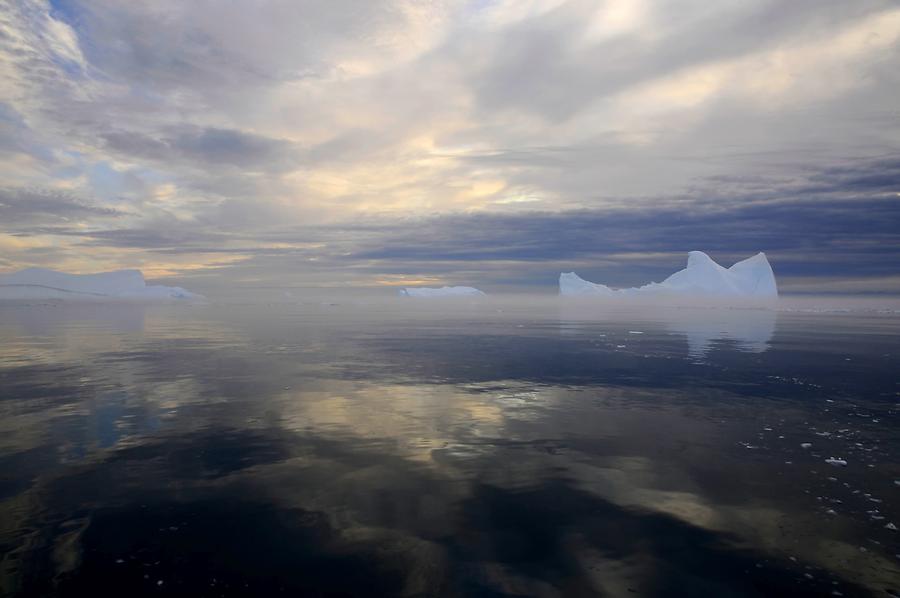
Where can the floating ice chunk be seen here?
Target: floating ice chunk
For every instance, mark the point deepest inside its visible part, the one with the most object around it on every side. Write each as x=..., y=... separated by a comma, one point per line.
x=836, y=462
x=441, y=292
x=752, y=277
x=40, y=283
x=891, y=527
x=805, y=445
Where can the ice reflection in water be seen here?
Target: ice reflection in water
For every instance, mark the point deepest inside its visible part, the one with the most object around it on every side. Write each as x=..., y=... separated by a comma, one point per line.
x=749, y=329
x=480, y=449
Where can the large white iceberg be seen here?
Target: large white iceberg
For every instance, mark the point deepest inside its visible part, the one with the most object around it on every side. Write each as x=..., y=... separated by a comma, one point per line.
x=40, y=283
x=441, y=292
x=751, y=278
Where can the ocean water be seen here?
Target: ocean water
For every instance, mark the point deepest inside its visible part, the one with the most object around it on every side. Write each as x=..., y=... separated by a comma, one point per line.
x=467, y=448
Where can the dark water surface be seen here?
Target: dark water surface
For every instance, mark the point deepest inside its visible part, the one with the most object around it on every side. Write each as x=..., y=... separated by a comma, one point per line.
x=467, y=449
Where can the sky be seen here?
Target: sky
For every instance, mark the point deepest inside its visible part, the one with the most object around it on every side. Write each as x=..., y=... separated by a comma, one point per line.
x=494, y=143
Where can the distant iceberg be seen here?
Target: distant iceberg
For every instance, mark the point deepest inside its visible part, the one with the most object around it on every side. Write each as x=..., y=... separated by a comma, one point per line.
x=750, y=278
x=441, y=292
x=40, y=283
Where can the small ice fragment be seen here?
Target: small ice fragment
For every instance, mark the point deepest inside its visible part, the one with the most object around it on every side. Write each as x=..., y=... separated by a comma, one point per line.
x=159, y=583
x=635, y=332
x=805, y=445
x=830, y=512
x=836, y=462
x=891, y=527
x=620, y=346
x=120, y=561
x=808, y=575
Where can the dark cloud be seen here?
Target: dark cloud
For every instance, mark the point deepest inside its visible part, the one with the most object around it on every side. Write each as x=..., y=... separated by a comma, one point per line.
x=802, y=237
x=27, y=206
x=160, y=238
x=875, y=176
x=846, y=219
x=207, y=147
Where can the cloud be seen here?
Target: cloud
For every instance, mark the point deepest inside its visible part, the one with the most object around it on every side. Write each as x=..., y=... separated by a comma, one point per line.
x=822, y=227
x=28, y=206
x=457, y=140
x=207, y=147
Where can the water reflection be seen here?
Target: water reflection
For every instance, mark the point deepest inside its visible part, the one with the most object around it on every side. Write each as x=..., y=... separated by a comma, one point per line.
x=316, y=449
x=746, y=328
x=750, y=329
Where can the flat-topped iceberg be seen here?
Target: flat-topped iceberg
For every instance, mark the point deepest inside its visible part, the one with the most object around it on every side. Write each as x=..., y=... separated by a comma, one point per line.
x=441, y=292
x=40, y=283
x=751, y=278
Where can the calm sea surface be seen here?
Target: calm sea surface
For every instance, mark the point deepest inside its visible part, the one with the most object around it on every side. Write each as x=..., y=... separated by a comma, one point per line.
x=448, y=449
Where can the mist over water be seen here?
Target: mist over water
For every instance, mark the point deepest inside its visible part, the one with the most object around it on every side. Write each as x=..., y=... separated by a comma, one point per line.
x=504, y=446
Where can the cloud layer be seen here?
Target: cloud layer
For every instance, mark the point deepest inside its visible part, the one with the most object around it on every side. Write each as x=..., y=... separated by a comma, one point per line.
x=478, y=141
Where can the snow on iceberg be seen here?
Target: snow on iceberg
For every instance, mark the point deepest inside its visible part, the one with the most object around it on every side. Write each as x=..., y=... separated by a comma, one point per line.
x=40, y=283
x=752, y=277
x=441, y=292
x=571, y=284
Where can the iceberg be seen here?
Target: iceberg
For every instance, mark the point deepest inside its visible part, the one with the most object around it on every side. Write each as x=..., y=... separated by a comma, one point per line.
x=570, y=284
x=41, y=283
x=751, y=278
x=441, y=292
